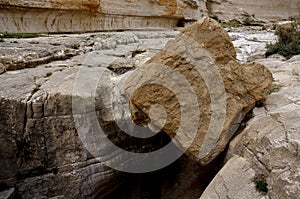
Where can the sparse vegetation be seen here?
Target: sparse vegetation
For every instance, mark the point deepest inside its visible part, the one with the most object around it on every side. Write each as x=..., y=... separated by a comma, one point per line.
x=136, y=52
x=273, y=90
x=19, y=35
x=262, y=186
x=48, y=74
x=230, y=25
x=260, y=183
x=288, y=41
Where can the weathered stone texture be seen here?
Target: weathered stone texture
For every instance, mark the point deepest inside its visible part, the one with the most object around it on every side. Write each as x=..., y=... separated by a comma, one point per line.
x=243, y=10
x=208, y=47
x=96, y=15
x=268, y=148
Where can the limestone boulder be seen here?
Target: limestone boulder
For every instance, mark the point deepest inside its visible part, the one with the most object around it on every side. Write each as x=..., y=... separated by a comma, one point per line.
x=200, y=91
x=268, y=148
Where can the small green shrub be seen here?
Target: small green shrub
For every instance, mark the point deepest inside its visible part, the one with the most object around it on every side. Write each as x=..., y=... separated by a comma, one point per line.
x=273, y=90
x=19, y=35
x=288, y=41
x=231, y=25
x=262, y=186
x=48, y=74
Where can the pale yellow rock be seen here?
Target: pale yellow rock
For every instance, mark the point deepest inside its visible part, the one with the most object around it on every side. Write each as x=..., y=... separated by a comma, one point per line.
x=204, y=90
x=95, y=15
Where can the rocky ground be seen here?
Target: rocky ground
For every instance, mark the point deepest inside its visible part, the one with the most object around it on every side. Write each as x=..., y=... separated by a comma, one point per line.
x=268, y=149
x=35, y=91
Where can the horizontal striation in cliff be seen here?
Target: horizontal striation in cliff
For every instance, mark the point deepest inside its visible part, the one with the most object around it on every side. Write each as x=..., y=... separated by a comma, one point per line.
x=95, y=15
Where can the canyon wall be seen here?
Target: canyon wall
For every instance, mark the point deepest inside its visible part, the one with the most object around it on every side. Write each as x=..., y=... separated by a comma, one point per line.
x=105, y=15
x=271, y=10
x=95, y=15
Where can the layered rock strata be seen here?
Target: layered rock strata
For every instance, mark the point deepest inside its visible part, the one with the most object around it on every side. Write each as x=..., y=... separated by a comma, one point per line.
x=245, y=11
x=97, y=15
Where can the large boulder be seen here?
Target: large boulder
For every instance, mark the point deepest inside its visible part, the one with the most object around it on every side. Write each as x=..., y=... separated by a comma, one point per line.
x=267, y=151
x=96, y=15
x=200, y=91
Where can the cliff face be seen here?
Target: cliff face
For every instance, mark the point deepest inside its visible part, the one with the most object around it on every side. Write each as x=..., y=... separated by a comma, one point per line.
x=98, y=15
x=271, y=10
x=95, y=15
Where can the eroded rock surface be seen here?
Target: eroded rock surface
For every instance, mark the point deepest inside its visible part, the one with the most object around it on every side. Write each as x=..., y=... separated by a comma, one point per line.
x=96, y=15
x=102, y=15
x=245, y=11
x=268, y=149
x=199, y=48
x=41, y=152
x=43, y=157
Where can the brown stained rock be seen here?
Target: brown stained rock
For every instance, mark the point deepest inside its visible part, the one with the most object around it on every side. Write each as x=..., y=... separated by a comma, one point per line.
x=197, y=75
